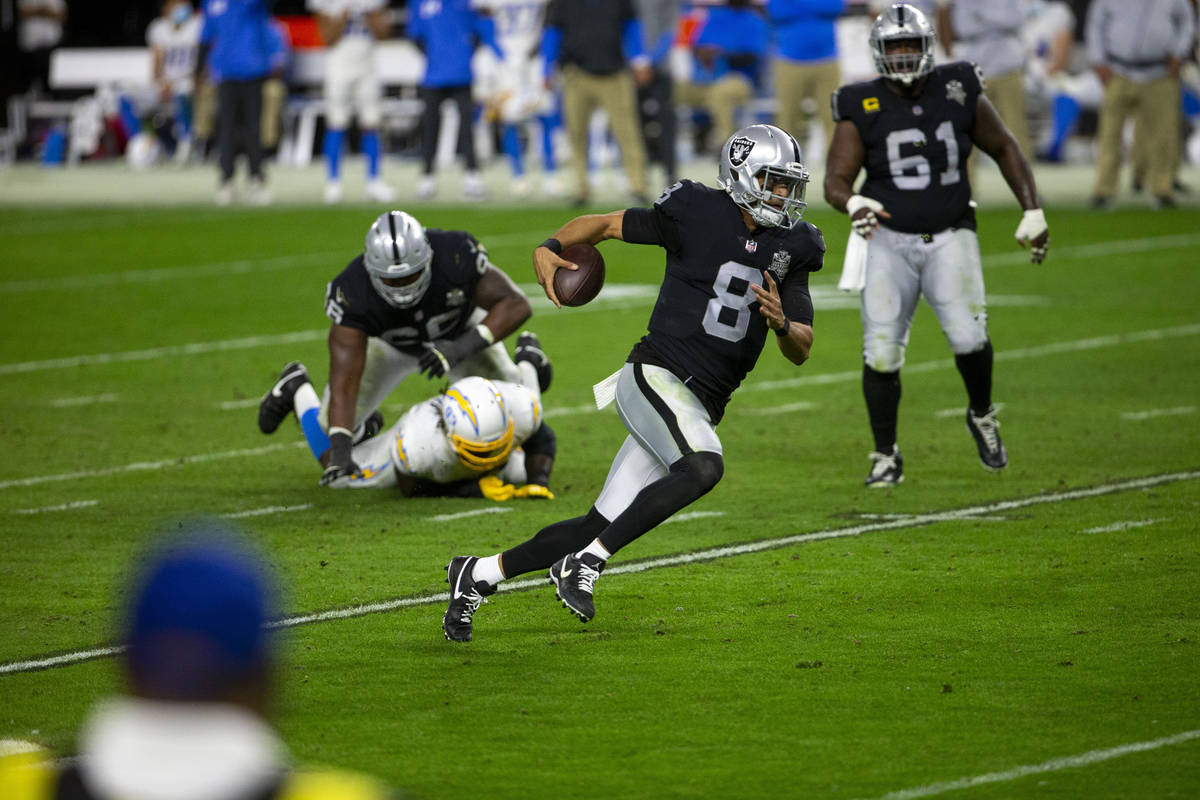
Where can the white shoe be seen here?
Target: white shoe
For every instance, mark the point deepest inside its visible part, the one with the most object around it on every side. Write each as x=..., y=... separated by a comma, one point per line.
x=380, y=192
x=333, y=192
x=473, y=188
x=551, y=185
x=183, y=152
x=426, y=188
x=257, y=194
x=225, y=193
x=520, y=186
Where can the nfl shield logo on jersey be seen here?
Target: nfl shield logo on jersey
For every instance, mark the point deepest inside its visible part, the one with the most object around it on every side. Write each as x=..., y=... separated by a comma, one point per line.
x=751, y=246
x=956, y=92
x=739, y=150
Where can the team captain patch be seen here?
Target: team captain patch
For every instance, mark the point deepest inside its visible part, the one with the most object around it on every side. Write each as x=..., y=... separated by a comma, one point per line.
x=870, y=104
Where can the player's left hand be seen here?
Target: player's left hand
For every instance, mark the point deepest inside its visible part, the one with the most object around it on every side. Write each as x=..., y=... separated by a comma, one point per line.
x=444, y=354
x=495, y=489
x=769, y=304
x=1034, y=232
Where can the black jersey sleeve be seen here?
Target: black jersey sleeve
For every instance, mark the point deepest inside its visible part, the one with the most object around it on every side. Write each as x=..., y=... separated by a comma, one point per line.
x=650, y=226
x=795, y=298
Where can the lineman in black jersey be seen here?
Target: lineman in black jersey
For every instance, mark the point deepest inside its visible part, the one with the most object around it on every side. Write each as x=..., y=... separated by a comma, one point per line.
x=911, y=130
x=737, y=267
x=414, y=299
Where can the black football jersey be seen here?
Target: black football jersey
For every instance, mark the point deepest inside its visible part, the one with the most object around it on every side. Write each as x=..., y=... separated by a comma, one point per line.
x=458, y=263
x=917, y=148
x=705, y=326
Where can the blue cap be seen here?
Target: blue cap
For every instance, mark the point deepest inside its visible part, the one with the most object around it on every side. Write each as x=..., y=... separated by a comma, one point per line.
x=195, y=626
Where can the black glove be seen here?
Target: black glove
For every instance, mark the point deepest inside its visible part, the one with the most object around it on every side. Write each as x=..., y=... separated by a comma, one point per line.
x=443, y=355
x=341, y=462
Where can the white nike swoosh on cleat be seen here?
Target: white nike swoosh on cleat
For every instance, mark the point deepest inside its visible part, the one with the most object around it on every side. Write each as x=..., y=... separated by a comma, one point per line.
x=457, y=593
x=566, y=573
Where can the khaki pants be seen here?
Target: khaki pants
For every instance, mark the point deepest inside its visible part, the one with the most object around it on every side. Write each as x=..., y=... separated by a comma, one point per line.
x=274, y=93
x=204, y=110
x=1156, y=104
x=1007, y=93
x=583, y=93
x=721, y=98
x=794, y=83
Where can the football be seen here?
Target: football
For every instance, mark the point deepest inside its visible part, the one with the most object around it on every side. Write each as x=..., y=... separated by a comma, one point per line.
x=576, y=287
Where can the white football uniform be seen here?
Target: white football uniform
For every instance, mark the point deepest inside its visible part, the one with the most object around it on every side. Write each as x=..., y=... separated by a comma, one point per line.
x=179, y=46
x=417, y=444
x=351, y=80
x=515, y=84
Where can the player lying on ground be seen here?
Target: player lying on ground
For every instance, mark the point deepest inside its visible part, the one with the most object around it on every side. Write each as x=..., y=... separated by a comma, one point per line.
x=737, y=268
x=412, y=300
x=478, y=438
x=912, y=130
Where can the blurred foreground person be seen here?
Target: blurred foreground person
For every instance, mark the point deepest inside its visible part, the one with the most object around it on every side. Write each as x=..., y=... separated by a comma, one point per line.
x=191, y=724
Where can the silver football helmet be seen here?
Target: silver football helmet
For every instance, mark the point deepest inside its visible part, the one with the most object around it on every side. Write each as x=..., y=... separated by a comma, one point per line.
x=397, y=257
x=755, y=162
x=902, y=22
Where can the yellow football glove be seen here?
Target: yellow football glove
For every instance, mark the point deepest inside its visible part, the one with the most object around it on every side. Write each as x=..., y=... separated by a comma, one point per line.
x=495, y=489
x=533, y=491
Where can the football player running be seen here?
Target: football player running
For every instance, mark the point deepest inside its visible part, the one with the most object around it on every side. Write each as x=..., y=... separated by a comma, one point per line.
x=737, y=264
x=911, y=130
x=478, y=438
x=415, y=299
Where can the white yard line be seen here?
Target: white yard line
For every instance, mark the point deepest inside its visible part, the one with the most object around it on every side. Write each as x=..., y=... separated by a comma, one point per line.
x=1158, y=412
x=959, y=411
x=265, y=511
x=787, y=408
x=1053, y=765
x=688, y=516
x=1092, y=250
x=143, y=466
x=239, y=405
x=60, y=507
x=67, y=402
x=466, y=514
x=1122, y=526
x=711, y=554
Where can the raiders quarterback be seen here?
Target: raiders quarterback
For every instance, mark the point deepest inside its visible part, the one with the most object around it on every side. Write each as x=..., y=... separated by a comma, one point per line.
x=477, y=438
x=413, y=300
x=737, y=264
x=911, y=130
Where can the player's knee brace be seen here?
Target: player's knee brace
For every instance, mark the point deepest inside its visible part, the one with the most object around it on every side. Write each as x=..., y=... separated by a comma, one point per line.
x=703, y=469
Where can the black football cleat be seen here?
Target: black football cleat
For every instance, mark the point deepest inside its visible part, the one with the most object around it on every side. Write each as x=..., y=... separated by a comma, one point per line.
x=888, y=469
x=466, y=595
x=275, y=407
x=986, y=430
x=530, y=349
x=574, y=577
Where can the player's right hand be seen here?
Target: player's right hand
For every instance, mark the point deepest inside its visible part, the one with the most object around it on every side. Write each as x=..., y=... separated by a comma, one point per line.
x=533, y=491
x=495, y=489
x=545, y=264
x=864, y=214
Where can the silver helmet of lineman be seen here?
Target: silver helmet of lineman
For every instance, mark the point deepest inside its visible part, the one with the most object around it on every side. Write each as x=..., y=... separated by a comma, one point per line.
x=755, y=161
x=398, y=252
x=902, y=22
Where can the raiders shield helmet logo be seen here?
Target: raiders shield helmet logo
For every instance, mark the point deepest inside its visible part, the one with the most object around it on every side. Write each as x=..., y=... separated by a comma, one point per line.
x=739, y=150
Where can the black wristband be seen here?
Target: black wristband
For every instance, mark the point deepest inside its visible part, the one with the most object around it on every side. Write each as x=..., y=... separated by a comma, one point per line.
x=787, y=324
x=340, y=445
x=553, y=245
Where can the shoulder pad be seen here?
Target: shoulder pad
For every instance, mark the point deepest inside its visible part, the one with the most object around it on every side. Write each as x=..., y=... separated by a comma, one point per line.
x=685, y=196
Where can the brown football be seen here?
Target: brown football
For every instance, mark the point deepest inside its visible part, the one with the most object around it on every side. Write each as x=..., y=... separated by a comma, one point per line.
x=576, y=287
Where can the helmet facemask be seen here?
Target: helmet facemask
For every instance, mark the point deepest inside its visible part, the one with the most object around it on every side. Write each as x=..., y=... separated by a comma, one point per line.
x=397, y=257
x=899, y=25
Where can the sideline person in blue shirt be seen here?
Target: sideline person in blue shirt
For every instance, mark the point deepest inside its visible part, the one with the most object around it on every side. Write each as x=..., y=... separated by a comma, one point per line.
x=448, y=32
x=806, y=67
x=236, y=45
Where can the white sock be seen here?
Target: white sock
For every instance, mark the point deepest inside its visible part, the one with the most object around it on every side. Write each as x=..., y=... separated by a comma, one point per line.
x=596, y=549
x=306, y=398
x=488, y=570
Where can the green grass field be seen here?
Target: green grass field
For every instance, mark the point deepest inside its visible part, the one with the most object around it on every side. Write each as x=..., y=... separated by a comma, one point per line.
x=934, y=638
